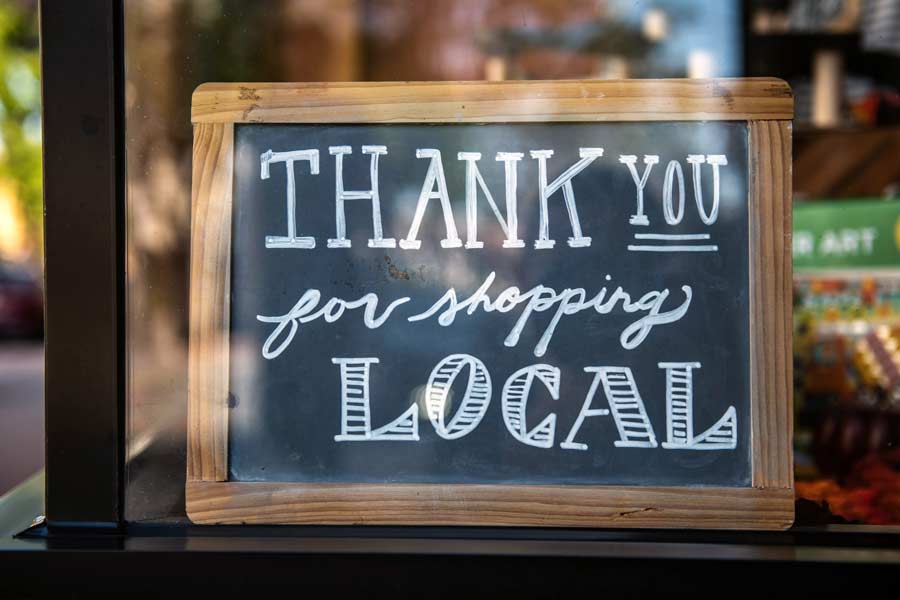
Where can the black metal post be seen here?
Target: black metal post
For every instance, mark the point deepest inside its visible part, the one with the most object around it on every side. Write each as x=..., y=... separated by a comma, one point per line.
x=84, y=267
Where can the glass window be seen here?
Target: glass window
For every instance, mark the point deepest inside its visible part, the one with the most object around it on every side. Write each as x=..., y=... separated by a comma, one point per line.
x=839, y=57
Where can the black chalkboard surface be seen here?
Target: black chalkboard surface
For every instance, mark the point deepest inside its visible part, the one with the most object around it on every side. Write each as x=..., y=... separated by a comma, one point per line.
x=635, y=323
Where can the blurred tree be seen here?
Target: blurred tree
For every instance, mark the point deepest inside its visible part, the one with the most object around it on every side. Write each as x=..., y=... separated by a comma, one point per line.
x=20, y=110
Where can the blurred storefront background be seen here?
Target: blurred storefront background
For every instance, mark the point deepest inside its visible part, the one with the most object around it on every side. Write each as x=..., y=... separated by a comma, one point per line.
x=847, y=356
x=21, y=311
x=842, y=58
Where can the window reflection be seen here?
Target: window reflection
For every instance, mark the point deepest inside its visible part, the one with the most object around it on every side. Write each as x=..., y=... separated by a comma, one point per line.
x=840, y=57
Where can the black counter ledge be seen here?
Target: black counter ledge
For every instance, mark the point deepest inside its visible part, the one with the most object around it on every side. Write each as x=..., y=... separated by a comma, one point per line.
x=401, y=560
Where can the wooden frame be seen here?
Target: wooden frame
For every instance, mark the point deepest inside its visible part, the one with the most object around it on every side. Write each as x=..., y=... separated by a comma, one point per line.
x=766, y=104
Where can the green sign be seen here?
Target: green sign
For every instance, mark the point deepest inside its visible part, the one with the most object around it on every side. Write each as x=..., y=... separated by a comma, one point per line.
x=847, y=234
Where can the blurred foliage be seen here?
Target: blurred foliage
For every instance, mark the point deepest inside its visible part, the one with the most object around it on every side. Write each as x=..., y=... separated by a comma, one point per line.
x=20, y=108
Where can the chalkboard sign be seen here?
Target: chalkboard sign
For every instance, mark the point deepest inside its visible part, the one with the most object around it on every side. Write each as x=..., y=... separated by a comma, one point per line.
x=520, y=303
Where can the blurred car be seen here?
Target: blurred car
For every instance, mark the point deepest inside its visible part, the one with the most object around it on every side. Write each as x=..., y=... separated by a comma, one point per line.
x=21, y=302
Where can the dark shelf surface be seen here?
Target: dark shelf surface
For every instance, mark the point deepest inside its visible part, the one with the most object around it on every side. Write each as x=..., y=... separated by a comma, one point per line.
x=821, y=36
x=800, y=543
x=401, y=560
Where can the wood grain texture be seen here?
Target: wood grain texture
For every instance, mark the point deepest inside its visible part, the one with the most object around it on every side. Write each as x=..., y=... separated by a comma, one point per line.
x=479, y=101
x=865, y=172
x=771, y=325
x=209, y=301
x=489, y=505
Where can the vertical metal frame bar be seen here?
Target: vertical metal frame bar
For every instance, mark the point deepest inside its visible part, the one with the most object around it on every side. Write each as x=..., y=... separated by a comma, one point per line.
x=82, y=77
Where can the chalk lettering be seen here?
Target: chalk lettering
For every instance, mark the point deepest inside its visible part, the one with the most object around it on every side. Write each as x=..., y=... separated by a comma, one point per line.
x=291, y=240
x=434, y=177
x=564, y=181
x=679, y=414
x=515, y=398
x=640, y=182
x=356, y=418
x=475, y=400
x=474, y=180
x=341, y=195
